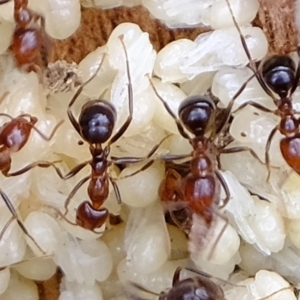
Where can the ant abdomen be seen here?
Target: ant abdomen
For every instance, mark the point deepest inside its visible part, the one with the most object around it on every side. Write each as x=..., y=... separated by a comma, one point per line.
x=196, y=112
x=97, y=120
x=290, y=149
x=26, y=46
x=14, y=134
x=89, y=218
x=279, y=73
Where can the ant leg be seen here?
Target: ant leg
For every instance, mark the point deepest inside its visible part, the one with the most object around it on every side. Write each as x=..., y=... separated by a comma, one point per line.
x=268, y=145
x=48, y=138
x=243, y=41
x=46, y=164
x=124, y=127
x=116, y=189
x=219, y=235
x=16, y=217
x=225, y=187
x=274, y=293
x=256, y=105
x=3, y=97
x=143, y=168
x=176, y=276
x=184, y=226
x=170, y=157
x=41, y=164
x=4, y=1
x=11, y=219
x=177, y=121
x=6, y=115
x=130, y=160
x=241, y=149
x=252, y=64
x=139, y=287
x=60, y=214
x=74, y=191
x=78, y=92
x=227, y=111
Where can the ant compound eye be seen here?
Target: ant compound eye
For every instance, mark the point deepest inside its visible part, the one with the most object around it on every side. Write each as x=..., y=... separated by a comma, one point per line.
x=279, y=73
x=97, y=121
x=195, y=112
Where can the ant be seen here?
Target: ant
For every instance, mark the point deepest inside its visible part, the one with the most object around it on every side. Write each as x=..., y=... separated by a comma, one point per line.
x=30, y=44
x=200, y=287
x=199, y=189
x=13, y=137
x=280, y=75
x=95, y=126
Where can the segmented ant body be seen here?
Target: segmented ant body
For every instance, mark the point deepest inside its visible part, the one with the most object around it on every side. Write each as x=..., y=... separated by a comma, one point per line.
x=13, y=137
x=278, y=74
x=30, y=44
x=95, y=126
x=199, y=189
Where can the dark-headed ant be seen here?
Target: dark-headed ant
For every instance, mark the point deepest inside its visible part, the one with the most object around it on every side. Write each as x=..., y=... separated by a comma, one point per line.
x=30, y=43
x=95, y=126
x=13, y=137
x=280, y=75
x=200, y=287
x=199, y=189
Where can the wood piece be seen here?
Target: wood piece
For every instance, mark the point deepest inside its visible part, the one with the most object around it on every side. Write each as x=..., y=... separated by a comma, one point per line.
x=97, y=25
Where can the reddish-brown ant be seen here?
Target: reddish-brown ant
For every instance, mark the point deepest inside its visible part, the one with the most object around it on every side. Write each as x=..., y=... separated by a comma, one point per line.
x=280, y=75
x=13, y=137
x=95, y=126
x=30, y=43
x=199, y=189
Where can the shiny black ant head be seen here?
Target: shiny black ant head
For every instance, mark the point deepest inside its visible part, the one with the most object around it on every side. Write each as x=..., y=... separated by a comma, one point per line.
x=195, y=113
x=279, y=73
x=194, y=288
x=97, y=121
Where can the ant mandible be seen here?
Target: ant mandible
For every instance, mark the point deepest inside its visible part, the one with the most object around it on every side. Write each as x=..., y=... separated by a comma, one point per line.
x=30, y=44
x=280, y=75
x=13, y=137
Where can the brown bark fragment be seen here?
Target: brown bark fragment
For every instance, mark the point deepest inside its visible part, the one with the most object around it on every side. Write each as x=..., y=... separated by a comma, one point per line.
x=97, y=25
x=276, y=18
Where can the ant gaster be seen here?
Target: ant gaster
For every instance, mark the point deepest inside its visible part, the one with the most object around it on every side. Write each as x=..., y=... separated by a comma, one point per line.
x=30, y=44
x=280, y=75
x=13, y=137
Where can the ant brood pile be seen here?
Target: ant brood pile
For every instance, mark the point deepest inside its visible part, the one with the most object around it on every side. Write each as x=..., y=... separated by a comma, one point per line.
x=111, y=238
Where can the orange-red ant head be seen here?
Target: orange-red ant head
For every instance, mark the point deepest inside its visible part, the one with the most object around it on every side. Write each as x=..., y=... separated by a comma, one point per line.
x=279, y=73
x=196, y=113
x=97, y=121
